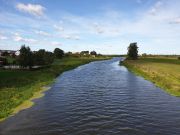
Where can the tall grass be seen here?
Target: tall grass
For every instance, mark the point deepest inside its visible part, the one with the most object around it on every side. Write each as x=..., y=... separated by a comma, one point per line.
x=164, y=72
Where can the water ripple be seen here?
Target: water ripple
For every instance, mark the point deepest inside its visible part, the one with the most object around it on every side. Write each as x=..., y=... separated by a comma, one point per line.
x=100, y=98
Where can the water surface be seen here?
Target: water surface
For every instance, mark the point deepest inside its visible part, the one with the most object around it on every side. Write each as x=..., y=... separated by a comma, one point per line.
x=100, y=98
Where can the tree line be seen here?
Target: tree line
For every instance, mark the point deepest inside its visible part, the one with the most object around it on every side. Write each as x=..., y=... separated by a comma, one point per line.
x=133, y=53
x=28, y=58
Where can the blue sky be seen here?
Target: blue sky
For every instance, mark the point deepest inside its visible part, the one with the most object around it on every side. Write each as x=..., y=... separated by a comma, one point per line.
x=107, y=26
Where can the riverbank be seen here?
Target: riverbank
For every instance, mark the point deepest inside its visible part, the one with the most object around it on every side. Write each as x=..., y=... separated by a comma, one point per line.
x=163, y=72
x=19, y=88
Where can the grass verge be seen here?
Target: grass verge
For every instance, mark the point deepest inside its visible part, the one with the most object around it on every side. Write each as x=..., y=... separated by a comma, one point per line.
x=18, y=88
x=163, y=72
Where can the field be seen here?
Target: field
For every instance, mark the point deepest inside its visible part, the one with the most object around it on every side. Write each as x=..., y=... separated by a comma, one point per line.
x=17, y=86
x=164, y=72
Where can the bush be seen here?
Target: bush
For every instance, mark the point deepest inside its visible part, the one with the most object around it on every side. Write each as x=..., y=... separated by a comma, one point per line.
x=3, y=61
x=43, y=57
x=179, y=58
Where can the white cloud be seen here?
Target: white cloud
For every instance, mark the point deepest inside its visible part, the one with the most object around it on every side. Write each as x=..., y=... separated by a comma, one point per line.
x=55, y=43
x=67, y=34
x=59, y=28
x=99, y=29
x=33, y=9
x=154, y=10
x=175, y=21
x=159, y=22
x=2, y=37
x=70, y=36
x=19, y=38
x=43, y=33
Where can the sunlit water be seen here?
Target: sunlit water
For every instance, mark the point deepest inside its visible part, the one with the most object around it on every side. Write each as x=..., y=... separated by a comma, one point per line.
x=100, y=98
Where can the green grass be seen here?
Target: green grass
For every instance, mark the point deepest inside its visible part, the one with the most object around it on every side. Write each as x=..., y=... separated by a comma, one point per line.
x=10, y=59
x=19, y=86
x=164, y=72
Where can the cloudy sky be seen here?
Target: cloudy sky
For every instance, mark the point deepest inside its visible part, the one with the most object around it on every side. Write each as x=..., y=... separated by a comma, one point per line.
x=107, y=26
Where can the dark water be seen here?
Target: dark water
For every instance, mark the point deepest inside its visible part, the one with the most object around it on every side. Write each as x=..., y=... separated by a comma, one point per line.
x=100, y=98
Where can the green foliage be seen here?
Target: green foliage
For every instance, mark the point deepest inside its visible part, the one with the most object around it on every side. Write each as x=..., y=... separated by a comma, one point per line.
x=58, y=53
x=93, y=53
x=84, y=53
x=178, y=58
x=5, y=53
x=43, y=57
x=25, y=58
x=69, y=54
x=144, y=55
x=4, y=60
x=132, y=51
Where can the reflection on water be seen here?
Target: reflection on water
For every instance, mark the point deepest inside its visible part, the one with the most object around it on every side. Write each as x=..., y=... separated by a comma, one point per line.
x=100, y=98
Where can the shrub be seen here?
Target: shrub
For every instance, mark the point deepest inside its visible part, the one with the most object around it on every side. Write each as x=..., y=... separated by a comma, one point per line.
x=3, y=61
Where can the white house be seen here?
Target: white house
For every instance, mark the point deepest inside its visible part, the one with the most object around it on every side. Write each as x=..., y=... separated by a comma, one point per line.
x=17, y=53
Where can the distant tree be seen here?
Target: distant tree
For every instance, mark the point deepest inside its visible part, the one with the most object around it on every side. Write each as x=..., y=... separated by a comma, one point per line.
x=68, y=54
x=93, y=53
x=39, y=57
x=84, y=53
x=42, y=57
x=25, y=58
x=5, y=53
x=132, y=51
x=3, y=61
x=49, y=58
x=77, y=54
x=144, y=54
x=13, y=55
x=58, y=53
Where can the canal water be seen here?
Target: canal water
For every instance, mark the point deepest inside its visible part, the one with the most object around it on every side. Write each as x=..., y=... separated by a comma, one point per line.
x=99, y=98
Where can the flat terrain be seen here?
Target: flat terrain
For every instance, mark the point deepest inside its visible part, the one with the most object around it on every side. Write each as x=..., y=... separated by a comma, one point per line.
x=164, y=72
x=17, y=86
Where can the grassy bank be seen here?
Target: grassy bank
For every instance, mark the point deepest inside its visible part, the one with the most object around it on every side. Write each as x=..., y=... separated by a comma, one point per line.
x=164, y=72
x=17, y=87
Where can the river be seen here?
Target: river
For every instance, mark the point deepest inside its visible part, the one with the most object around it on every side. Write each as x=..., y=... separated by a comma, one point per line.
x=99, y=98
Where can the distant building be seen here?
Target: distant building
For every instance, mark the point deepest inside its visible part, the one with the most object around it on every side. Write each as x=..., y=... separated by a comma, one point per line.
x=85, y=53
x=9, y=53
x=17, y=53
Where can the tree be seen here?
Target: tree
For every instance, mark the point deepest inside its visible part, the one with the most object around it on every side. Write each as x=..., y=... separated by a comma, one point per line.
x=39, y=57
x=132, y=51
x=25, y=58
x=42, y=57
x=49, y=58
x=93, y=53
x=58, y=53
x=144, y=55
x=3, y=61
x=5, y=53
